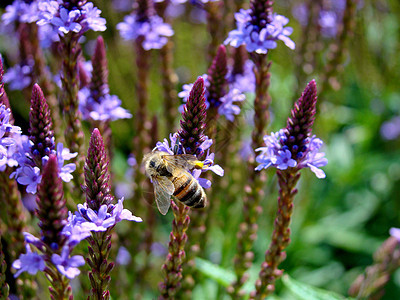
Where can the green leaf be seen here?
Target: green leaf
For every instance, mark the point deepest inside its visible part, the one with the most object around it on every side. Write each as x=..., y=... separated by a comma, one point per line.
x=215, y=272
x=308, y=292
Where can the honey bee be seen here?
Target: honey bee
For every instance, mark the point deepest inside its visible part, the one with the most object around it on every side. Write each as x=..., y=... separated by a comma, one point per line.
x=170, y=176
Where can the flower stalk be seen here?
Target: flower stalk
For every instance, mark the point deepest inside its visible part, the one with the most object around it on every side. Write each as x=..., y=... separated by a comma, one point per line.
x=4, y=288
x=98, y=193
x=336, y=56
x=191, y=136
x=169, y=77
x=370, y=285
x=289, y=151
x=253, y=190
x=74, y=136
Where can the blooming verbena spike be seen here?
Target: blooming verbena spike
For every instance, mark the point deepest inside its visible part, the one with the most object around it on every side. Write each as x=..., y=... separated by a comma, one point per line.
x=64, y=19
x=293, y=146
x=258, y=32
x=95, y=101
x=31, y=154
x=143, y=24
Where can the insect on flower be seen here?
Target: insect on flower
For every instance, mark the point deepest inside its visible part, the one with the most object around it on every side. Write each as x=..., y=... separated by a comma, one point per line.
x=170, y=176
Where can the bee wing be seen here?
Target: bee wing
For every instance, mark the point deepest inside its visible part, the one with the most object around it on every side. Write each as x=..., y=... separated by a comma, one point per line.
x=181, y=161
x=163, y=190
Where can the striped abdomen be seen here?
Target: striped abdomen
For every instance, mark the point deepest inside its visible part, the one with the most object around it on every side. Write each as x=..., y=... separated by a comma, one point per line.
x=189, y=191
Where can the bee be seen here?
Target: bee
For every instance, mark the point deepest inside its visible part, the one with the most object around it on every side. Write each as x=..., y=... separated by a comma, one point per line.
x=170, y=176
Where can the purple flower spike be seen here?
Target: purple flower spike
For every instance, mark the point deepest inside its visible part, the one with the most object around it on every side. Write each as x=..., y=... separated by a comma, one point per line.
x=30, y=262
x=259, y=29
x=293, y=147
x=68, y=266
x=75, y=18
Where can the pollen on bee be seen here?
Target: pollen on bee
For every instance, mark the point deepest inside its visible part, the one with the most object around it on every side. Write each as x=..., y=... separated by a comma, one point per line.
x=199, y=165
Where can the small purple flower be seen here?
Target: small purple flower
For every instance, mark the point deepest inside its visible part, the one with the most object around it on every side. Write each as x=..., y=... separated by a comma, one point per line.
x=256, y=39
x=284, y=160
x=328, y=21
x=30, y=262
x=65, y=154
x=395, y=232
x=108, y=109
x=31, y=239
x=102, y=219
x=390, y=130
x=165, y=147
x=119, y=213
x=65, y=22
x=227, y=107
x=18, y=77
x=123, y=256
x=29, y=176
x=68, y=266
x=245, y=82
x=154, y=31
x=77, y=229
x=314, y=159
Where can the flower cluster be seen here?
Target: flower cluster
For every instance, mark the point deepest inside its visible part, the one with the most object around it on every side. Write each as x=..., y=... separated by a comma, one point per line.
x=293, y=146
x=258, y=38
x=32, y=262
x=107, y=108
x=8, y=138
x=78, y=227
x=85, y=220
x=19, y=76
x=66, y=19
x=153, y=31
x=29, y=173
x=329, y=17
x=245, y=82
x=20, y=12
x=176, y=148
x=277, y=154
x=227, y=106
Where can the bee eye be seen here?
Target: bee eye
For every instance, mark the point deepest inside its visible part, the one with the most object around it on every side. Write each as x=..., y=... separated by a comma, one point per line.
x=152, y=164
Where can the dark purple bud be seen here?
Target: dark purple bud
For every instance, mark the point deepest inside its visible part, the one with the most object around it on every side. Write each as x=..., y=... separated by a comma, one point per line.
x=217, y=77
x=194, y=117
x=97, y=188
x=302, y=117
x=99, y=84
x=40, y=125
x=51, y=210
